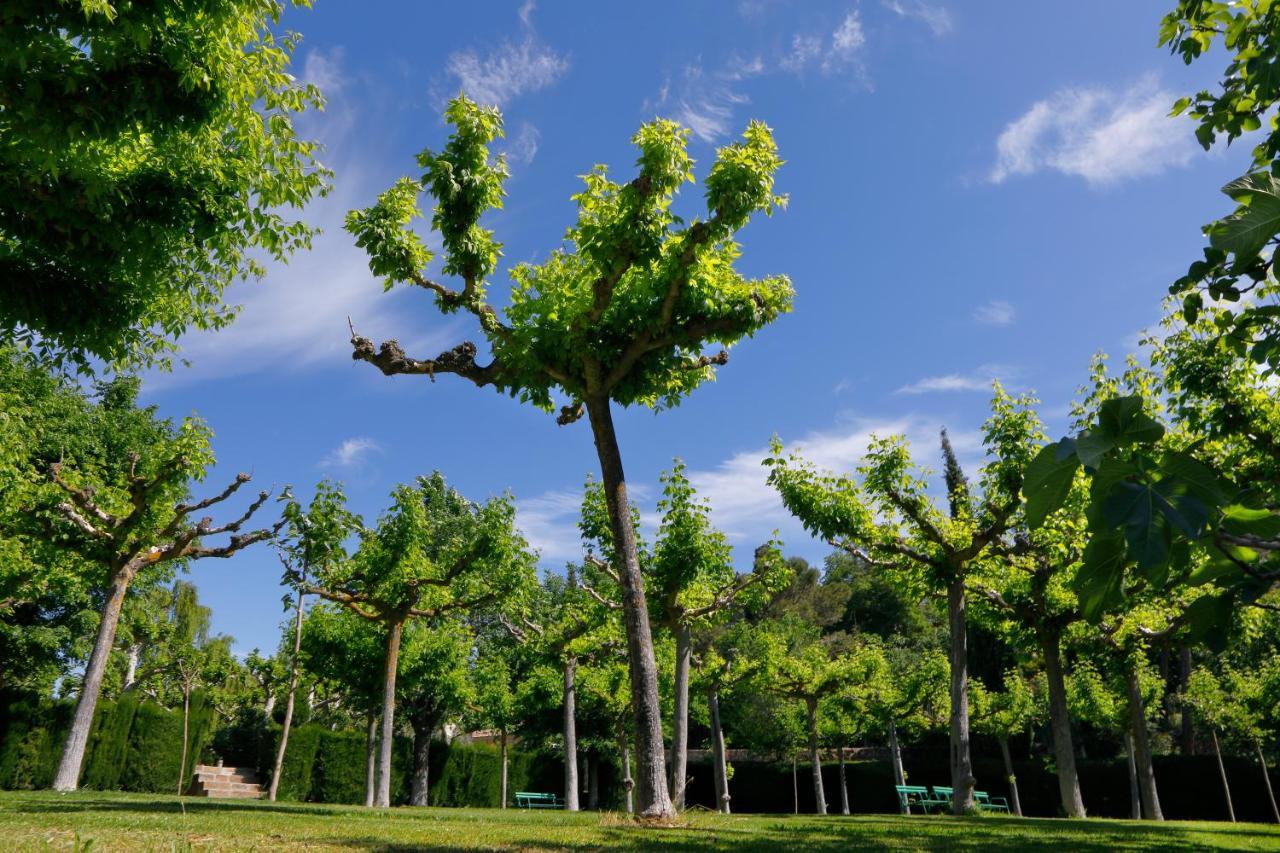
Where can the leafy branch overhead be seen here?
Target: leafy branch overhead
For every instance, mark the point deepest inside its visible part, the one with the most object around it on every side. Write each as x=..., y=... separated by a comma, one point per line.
x=623, y=309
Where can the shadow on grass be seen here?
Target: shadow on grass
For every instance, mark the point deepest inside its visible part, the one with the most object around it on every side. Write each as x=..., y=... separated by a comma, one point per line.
x=518, y=830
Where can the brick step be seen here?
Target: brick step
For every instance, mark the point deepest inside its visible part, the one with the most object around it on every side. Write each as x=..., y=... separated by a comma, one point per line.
x=225, y=783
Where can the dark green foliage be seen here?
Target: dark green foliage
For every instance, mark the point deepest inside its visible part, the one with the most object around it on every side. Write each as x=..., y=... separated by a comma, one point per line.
x=109, y=747
x=134, y=746
x=299, y=763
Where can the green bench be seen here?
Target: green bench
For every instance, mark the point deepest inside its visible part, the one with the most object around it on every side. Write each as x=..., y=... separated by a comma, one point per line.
x=918, y=796
x=985, y=802
x=536, y=800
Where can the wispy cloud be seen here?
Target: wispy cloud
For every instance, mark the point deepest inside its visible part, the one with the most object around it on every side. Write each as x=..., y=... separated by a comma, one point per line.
x=350, y=454
x=936, y=17
x=522, y=146
x=704, y=101
x=977, y=380
x=997, y=312
x=296, y=317
x=829, y=53
x=1102, y=135
x=325, y=69
x=511, y=69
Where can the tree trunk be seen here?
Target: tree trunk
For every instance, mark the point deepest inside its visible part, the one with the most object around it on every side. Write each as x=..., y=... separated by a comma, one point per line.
x=1271, y=795
x=269, y=705
x=502, y=749
x=186, y=717
x=131, y=666
x=624, y=748
x=371, y=759
x=1064, y=752
x=1135, y=797
x=1142, y=747
x=1222, y=771
x=680, y=716
x=654, y=801
x=717, y=751
x=288, y=704
x=844, y=784
x=382, y=799
x=962, y=778
x=895, y=755
x=1013, y=778
x=820, y=800
x=593, y=782
x=570, y=737
x=424, y=726
x=795, y=786
x=68, y=776
x=1188, y=719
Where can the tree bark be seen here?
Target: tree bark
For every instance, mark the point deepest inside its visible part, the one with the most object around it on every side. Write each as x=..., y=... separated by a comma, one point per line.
x=962, y=778
x=131, y=665
x=624, y=747
x=844, y=784
x=1142, y=747
x=895, y=756
x=502, y=748
x=593, y=782
x=717, y=750
x=1012, y=777
x=371, y=760
x=424, y=726
x=382, y=799
x=654, y=800
x=186, y=717
x=1271, y=795
x=1222, y=771
x=795, y=786
x=570, y=737
x=288, y=704
x=1135, y=797
x=680, y=716
x=1064, y=752
x=820, y=800
x=68, y=776
x=269, y=705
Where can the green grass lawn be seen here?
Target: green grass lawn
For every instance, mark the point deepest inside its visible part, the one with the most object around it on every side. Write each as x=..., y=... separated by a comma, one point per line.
x=43, y=820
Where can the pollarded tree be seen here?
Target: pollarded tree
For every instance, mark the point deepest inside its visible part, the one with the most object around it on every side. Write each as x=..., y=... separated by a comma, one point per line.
x=495, y=688
x=1005, y=713
x=606, y=683
x=796, y=663
x=313, y=540
x=150, y=158
x=890, y=520
x=691, y=584
x=137, y=530
x=340, y=648
x=567, y=622
x=908, y=695
x=433, y=553
x=433, y=683
x=620, y=314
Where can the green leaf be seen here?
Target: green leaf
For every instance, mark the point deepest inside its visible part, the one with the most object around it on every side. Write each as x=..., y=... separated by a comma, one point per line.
x=1047, y=481
x=1246, y=231
x=1132, y=507
x=1100, y=582
x=1240, y=519
x=1123, y=420
x=1199, y=479
x=1209, y=618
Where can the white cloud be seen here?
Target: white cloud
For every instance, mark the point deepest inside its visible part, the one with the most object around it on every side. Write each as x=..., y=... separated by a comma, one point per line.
x=324, y=69
x=935, y=17
x=995, y=313
x=977, y=380
x=296, y=317
x=705, y=102
x=828, y=53
x=510, y=70
x=1099, y=134
x=522, y=146
x=351, y=453
x=526, y=12
x=743, y=504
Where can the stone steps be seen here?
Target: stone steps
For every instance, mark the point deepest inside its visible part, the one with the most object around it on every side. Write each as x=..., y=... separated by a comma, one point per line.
x=225, y=783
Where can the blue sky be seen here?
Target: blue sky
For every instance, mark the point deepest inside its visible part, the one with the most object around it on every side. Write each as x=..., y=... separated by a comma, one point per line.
x=978, y=190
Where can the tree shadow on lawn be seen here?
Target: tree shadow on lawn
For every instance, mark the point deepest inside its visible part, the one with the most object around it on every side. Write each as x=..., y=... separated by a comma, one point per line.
x=187, y=806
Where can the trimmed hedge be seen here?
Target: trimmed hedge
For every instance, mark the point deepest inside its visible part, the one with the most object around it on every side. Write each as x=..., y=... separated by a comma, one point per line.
x=133, y=746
